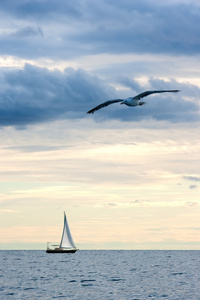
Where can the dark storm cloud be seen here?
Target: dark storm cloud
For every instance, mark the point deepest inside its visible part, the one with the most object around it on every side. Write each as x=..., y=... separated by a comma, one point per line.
x=34, y=95
x=74, y=28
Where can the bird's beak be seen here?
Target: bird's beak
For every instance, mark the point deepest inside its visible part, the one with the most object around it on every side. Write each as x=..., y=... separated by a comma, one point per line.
x=122, y=103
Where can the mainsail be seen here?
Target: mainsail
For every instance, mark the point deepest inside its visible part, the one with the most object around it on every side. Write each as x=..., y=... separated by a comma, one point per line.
x=66, y=241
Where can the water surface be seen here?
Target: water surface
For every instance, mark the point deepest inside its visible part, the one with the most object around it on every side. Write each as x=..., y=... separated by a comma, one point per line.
x=105, y=275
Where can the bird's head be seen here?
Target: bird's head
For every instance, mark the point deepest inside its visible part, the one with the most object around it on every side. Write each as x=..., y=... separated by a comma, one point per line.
x=124, y=102
x=142, y=103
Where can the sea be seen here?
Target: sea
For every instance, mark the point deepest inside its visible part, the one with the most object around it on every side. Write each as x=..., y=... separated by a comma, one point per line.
x=100, y=275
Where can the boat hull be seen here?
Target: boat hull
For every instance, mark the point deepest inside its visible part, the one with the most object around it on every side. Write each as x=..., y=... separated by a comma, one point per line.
x=61, y=251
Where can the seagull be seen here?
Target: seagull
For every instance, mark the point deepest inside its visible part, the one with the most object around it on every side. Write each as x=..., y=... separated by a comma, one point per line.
x=131, y=101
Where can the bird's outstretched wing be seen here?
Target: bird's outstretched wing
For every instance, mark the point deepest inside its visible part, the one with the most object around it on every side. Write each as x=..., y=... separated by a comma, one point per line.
x=103, y=105
x=147, y=93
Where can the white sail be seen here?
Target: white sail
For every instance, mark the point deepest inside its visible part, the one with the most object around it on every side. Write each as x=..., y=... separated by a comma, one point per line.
x=66, y=241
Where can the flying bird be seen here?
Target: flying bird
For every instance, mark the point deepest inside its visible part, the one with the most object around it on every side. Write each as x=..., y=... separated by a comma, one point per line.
x=131, y=101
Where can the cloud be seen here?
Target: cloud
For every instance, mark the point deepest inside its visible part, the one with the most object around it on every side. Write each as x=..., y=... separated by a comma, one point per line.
x=193, y=186
x=74, y=28
x=28, y=31
x=36, y=95
x=192, y=204
x=136, y=201
x=38, y=9
x=169, y=107
x=192, y=178
x=112, y=204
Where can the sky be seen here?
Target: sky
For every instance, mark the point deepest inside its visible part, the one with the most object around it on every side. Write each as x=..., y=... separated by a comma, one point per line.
x=127, y=178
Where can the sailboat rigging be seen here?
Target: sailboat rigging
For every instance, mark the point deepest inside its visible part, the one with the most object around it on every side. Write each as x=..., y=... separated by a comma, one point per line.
x=67, y=244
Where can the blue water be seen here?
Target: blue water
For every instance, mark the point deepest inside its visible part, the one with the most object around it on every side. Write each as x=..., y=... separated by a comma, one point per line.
x=105, y=275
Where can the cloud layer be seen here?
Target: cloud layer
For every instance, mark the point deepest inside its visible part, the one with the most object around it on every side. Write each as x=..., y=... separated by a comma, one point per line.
x=49, y=28
x=61, y=31
x=34, y=95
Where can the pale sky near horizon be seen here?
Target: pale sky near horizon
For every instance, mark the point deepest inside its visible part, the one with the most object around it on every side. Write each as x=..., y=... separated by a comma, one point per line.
x=127, y=178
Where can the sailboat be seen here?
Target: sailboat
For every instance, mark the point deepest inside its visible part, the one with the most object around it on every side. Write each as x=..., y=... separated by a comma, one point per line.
x=67, y=244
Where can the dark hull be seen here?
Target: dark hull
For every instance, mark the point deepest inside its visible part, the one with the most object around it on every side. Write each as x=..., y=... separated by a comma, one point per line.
x=61, y=251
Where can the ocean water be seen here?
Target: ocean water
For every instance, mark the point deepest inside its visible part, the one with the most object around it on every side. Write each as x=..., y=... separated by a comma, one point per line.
x=105, y=275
